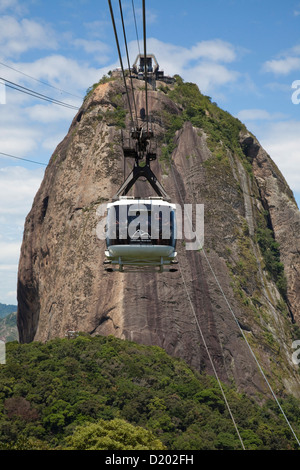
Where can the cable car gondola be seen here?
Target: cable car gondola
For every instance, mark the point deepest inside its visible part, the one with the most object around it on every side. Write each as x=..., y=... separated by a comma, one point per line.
x=141, y=233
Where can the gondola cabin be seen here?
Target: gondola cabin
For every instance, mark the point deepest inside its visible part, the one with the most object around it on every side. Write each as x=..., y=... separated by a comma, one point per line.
x=141, y=233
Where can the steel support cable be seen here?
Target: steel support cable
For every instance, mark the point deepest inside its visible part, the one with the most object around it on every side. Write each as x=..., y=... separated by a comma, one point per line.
x=145, y=64
x=199, y=327
x=136, y=30
x=210, y=358
x=41, y=81
x=251, y=351
x=120, y=57
x=234, y=316
x=20, y=158
x=35, y=94
x=128, y=61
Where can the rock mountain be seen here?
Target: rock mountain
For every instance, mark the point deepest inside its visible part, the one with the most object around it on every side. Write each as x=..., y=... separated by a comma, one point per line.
x=250, y=262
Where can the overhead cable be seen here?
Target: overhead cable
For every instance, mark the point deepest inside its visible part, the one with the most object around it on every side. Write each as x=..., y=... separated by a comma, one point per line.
x=210, y=359
x=145, y=63
x=20, y=158
x=234, y=316
x=120, y=57
x=128, y=61
x=136, y=30
x=35, y=94
x=198, y=324
x=41, y=81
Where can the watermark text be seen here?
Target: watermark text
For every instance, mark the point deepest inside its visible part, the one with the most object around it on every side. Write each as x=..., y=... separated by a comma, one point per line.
x=296, y=93
x=2, y=352
x=2, y=92
x=296, y=354
x=146, y=222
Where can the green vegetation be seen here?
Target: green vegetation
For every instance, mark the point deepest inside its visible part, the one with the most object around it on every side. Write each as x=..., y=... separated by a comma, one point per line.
x=116, y=117
x=271, y=255
x=116, y=434
x=8, y=327
x=7, y=309
x=105, y=393
x=105, y=79
x=221, y=128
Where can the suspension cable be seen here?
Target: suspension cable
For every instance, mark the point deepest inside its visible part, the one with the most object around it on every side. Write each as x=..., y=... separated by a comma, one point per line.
x=197, y=322
x=251, y=350
x=128, y=61
x=23, y=159
x=35, y=94
x=145, y=63
x=136, y=30
x=120, y=57
x=41, y=81
x=210, y=358
x=233, y=314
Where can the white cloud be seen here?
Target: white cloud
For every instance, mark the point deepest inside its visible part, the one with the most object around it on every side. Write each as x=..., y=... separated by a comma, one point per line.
x=51, y=141
x=150, y=14
x=9, y=252
x=98, y=48
x=210, y=76
x=287, y=61
x=203, y=63
x=214, y=50
x=282, y=141
x=17, y=37
x=282, y=66
x=18, y=187
x=49, y=113
x=18, y=138
x=13, y=5
x=258, y=115
x=62, y=72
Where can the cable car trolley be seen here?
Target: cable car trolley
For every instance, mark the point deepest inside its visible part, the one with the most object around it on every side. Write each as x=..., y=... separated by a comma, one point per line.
x=141, y=232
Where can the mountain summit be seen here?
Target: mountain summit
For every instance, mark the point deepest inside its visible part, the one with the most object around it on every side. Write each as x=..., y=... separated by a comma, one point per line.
x=249, y=265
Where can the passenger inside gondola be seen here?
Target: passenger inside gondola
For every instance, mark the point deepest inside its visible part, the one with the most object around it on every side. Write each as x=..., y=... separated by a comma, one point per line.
x=150, y=226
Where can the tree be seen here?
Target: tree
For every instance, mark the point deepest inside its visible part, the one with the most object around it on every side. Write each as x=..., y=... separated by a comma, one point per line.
x=116, y=434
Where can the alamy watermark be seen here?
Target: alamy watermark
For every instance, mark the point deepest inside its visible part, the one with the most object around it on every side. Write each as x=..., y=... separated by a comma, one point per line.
x=296, y=354
x=153, y=222
x=2, y=352
x=2, y=92
x=296, y=93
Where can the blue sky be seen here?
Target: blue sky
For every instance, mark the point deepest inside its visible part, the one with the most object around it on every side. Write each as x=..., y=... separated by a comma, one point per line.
x=245, y=54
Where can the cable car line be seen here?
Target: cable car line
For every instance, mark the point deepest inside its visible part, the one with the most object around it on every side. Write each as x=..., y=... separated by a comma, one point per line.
x=35, y=94
x=250, y=349
x=197, y=322
x=20, y=158
x=141, y=256
x=148, y=247
x=210, y=359
x=120, y=57
x=136, y=30
x=145, y=64
x=41, y=81
x=233, y=314
x=128, y=61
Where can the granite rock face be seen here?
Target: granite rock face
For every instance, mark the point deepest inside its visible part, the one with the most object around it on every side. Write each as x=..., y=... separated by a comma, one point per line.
x=216, y=293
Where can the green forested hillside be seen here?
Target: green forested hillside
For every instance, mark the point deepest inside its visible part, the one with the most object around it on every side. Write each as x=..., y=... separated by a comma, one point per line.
x=8, y=327
x=77, y=393
x=7, y=309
